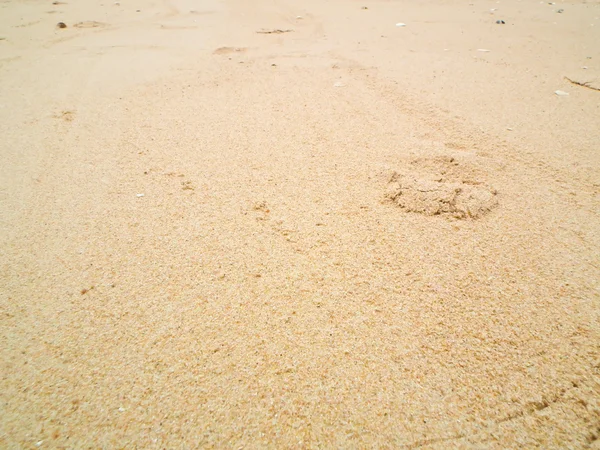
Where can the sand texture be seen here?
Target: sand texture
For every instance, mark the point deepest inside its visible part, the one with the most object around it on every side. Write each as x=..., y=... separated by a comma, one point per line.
x=294, y=224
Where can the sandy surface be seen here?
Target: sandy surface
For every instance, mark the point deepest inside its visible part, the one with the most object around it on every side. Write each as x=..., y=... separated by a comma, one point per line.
x=347, y=235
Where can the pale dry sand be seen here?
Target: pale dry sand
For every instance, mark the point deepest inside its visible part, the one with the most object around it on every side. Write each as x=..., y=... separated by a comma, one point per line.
x=349, y=235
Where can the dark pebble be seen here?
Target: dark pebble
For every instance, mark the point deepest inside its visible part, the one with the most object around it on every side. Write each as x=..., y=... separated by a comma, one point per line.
x=61, y=25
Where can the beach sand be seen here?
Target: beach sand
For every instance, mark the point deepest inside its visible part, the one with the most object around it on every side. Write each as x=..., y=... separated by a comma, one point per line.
x=283, y=224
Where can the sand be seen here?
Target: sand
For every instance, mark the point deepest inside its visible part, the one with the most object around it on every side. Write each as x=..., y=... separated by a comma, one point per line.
x=283, y=224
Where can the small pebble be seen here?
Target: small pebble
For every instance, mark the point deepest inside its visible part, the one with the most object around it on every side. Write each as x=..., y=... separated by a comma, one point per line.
x=364, y=7
x=485, y=50
x=339, y=84
x=139, y=195
x=400, y=24
x=560, y=11
x=61, y=25
x=561, y=93
x=500, y=22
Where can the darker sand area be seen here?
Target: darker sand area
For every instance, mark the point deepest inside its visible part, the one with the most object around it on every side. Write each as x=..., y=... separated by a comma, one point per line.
x=282, y=224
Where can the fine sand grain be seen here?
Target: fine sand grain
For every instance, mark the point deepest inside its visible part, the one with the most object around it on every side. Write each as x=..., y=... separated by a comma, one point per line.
x=283, y=224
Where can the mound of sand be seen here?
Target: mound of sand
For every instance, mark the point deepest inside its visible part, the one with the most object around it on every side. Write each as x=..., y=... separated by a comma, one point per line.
x=435, y=197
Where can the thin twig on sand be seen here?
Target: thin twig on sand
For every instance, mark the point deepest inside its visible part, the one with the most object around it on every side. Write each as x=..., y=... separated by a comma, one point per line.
x=585, y=84
x=277, y=31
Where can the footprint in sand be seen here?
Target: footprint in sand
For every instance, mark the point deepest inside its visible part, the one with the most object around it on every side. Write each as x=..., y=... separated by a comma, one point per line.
x=229, y=50
x=89, y=24
x=67, y=116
